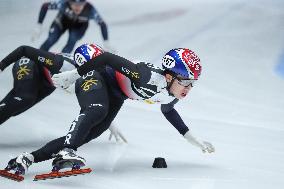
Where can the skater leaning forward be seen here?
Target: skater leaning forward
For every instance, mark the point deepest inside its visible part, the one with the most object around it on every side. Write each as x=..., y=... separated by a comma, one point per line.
x=103, y=81
x=32, y=72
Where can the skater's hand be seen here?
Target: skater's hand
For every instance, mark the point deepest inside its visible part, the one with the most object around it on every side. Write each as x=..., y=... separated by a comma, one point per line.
x=37, y=32
x=108, y=48
x=117, y=134
x=65, y=79
x=207, y=147
x=204, y=146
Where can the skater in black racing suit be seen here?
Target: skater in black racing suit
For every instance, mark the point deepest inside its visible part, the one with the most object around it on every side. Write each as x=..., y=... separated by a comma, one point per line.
x=32, y=72
x=102, y=85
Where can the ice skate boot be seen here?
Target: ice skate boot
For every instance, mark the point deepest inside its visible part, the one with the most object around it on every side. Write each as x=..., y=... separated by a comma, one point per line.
x=17, y=167
x=21, y=163
x=67, y=158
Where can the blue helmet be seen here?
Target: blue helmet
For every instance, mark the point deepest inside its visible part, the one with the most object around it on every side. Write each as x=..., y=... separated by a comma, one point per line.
x=182, y=62
x=86, y=52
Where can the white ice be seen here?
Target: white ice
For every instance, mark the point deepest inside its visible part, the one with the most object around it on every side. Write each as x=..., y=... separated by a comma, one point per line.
x=238, y=104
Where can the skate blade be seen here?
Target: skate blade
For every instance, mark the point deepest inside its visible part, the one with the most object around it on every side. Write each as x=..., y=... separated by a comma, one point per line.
x=11, y=176
x=59, y=174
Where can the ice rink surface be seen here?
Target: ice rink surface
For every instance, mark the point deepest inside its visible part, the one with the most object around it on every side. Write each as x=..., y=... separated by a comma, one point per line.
x=238, y=104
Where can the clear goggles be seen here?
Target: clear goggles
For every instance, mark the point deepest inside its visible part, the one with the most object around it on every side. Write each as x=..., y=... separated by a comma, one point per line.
x=186, y=82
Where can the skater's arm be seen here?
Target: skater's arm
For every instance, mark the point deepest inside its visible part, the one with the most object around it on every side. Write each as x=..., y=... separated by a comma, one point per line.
x=98, y=19
x=52, y=5
x=104, y=30
x=136, y=72
x=173, y=117
x=51, y=61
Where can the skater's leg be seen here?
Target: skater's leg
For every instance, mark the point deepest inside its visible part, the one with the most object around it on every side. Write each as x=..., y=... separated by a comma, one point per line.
x=92, y=95
x=6, y=111
x=75, y=34
x=53, y=147
x=115, y=105
x=90, y=92
x=55, y=32
x=49, y=150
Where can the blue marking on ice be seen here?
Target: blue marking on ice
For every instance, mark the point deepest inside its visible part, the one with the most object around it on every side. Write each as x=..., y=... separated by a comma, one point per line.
x=280, y=65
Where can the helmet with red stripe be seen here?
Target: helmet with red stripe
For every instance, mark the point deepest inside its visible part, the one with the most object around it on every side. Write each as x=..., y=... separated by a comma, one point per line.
x=182, y=62
x=86, y=52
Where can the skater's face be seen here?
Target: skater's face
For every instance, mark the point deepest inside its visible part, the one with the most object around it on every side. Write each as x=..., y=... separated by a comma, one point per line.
x=180, y=86
x=77, y=7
